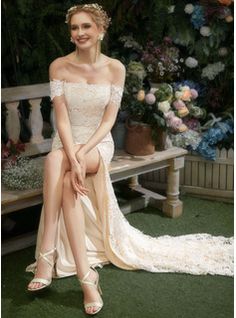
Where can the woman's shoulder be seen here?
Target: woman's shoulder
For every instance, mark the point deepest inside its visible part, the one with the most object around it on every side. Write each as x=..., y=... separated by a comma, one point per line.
x=116, y=64
x=57, y=68
x=117, y=69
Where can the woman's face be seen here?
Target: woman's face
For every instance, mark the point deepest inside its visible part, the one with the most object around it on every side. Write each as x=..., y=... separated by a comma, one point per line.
x=84, y=31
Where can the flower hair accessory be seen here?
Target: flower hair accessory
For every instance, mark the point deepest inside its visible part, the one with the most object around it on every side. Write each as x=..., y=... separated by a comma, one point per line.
x=89, y=6
x=92, y=6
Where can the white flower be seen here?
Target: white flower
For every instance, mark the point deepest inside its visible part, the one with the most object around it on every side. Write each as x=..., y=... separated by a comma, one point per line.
x=178, y=94
x=189, y=8
x=150, y=68
x=191, y=62
x=171, y=9
x=129, y=42
x=205, y=31
x=223, y=51
x=184, y=88
x=23, y=174
x=164, y=106
x=212, y=70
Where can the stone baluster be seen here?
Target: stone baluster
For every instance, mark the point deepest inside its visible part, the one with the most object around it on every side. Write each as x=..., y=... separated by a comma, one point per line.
x=173, y=207
x=133, y=182
x=36, y=121
x=13, y=121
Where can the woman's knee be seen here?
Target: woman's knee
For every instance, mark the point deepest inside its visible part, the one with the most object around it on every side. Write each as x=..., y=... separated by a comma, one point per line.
x=92, y=160
x=54, y=159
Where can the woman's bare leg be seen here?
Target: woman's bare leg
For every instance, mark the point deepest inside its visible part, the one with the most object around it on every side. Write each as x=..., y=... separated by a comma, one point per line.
x=75, y=226
x=56, y=165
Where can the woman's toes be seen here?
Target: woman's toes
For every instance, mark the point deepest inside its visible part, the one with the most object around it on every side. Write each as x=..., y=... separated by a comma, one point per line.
x=88, y=310
x=91, y=310
x=95, y=309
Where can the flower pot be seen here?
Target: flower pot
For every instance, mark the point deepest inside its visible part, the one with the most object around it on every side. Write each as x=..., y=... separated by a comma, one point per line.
x=138, y=139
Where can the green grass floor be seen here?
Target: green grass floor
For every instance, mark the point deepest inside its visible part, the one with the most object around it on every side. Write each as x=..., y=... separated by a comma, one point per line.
x=136, y=294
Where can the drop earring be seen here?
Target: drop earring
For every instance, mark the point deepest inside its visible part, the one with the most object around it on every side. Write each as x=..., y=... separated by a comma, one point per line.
x=71, y=39
x=101, y=36
x=98, y=46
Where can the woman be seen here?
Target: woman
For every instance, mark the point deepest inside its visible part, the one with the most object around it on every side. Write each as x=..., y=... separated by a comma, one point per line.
x=81, y=225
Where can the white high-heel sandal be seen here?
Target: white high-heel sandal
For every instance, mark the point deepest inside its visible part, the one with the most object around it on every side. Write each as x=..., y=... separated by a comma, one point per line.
x=95, y=284
x=44, y=281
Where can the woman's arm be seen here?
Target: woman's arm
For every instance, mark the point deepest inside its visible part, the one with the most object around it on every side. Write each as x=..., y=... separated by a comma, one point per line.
x=110, y=113
x=64, y=129
x=61, y=115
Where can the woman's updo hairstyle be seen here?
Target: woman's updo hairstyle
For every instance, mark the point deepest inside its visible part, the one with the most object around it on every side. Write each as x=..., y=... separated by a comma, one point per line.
x=96, y=11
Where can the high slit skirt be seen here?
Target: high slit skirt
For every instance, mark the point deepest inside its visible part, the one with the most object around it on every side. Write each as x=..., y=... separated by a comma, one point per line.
x=111, y=239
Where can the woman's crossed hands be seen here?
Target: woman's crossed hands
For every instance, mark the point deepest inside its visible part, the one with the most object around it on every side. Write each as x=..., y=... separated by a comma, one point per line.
x=78, y=174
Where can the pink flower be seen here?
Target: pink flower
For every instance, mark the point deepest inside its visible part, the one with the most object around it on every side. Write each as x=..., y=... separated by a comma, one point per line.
x=5, y=151
x=12, y=148
x=150, y=98
x=168, y=40
x=178, y=104
x=175, y=122
x=194, y=93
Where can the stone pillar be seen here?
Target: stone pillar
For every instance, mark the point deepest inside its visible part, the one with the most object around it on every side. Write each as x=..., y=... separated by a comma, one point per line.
x=36, y=121
x=172, y=206
x=133, y=182
x=13, y=121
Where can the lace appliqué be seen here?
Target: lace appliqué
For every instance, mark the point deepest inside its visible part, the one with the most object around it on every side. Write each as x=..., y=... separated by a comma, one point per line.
x=196, y=254
x=116, y=95
x=56, y=88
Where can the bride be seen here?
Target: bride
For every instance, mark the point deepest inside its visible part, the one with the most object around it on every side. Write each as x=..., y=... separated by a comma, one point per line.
x=81, y=225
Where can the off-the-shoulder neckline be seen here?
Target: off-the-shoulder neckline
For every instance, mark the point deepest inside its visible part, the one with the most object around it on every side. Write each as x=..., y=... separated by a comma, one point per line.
x=85, y=83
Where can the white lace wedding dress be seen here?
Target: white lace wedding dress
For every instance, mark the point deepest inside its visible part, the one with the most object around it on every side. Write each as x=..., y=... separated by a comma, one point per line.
x=109, y=236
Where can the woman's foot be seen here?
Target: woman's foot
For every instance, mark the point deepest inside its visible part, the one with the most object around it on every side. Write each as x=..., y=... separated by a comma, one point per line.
x=43, y=274
x=91, y=293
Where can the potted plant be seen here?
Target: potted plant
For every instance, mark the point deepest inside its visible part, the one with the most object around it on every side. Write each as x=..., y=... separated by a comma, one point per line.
x=137, y=126
x=153, y=112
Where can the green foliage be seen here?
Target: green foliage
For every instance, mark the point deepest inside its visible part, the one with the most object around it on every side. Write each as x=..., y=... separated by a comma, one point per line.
x=34, y=37
x=158, y=13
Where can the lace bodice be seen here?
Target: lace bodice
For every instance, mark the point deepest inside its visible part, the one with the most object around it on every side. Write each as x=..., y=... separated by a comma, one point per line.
x=57, y=88
x=86, y=104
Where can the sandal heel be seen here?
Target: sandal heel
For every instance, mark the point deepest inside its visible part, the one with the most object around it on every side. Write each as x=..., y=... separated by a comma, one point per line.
x=45, y=282
x=98, y=304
